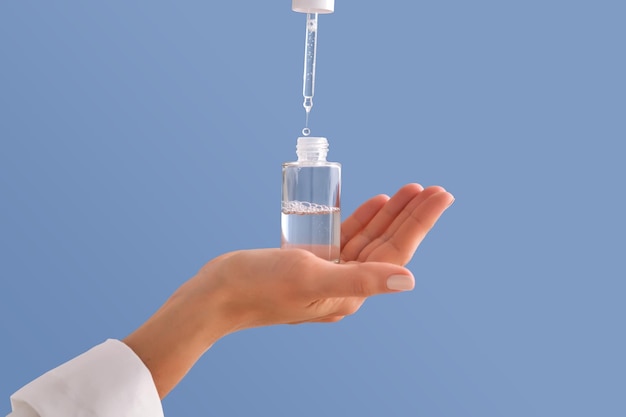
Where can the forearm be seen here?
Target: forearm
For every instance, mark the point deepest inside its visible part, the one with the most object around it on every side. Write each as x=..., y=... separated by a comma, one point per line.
x=174, y=338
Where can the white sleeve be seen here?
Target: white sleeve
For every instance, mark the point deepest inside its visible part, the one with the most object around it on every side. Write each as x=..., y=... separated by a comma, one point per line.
x=109, y=380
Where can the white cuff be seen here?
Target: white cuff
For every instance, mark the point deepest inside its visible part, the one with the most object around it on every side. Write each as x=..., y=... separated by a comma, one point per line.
x=109, y=380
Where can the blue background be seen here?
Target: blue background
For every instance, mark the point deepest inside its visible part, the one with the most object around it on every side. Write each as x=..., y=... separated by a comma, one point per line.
x=138, y=140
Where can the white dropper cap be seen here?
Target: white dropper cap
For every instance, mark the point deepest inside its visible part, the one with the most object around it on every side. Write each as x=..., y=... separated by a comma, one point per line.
x=313, y=6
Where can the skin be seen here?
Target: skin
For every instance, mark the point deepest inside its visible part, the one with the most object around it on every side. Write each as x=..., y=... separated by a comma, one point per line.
x=263, y=287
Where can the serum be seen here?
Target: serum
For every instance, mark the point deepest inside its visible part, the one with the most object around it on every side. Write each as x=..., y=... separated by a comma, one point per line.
x=311, y=210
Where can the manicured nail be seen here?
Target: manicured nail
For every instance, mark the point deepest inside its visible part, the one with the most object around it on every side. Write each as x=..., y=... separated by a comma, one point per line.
x=451, y=202
x=400, y=282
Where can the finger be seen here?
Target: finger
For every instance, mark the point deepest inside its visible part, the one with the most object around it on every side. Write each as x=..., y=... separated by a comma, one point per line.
x=361, y=279
x=380, y=222
x=393, y=226
x=361, y=217
x=408, y=230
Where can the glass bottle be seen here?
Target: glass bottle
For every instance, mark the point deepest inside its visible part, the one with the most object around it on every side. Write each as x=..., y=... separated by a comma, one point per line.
x=311, y=214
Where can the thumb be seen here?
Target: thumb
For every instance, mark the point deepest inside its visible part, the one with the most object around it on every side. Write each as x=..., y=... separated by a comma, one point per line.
x=364, y=279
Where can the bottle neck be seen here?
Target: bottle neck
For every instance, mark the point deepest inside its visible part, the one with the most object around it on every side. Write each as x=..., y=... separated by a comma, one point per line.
x=312, y=149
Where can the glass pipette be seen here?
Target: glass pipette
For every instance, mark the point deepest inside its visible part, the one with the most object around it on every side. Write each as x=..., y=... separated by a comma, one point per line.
x=308, y=81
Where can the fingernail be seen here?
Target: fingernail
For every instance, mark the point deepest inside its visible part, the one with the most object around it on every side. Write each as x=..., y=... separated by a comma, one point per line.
x=451, y=202
x=400, y=282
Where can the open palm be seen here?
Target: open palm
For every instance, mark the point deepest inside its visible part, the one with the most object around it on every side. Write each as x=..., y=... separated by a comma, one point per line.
x=385, y=229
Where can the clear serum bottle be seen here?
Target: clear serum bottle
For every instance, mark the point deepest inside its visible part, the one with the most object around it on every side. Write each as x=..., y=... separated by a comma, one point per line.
x=311, y=213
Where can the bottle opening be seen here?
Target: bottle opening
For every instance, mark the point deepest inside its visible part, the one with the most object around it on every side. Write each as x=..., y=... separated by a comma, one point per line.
x=312, y=148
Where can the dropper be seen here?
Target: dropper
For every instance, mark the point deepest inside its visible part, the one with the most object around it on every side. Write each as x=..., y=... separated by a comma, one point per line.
x=308, y=77
x=312, y=8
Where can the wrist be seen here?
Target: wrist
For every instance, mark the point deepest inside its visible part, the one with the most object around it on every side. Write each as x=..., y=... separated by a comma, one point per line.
x=177, y=335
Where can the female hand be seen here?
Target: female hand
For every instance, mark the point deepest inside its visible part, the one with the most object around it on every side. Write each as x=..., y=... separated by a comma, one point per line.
x=274, y=286
x=252, y=288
